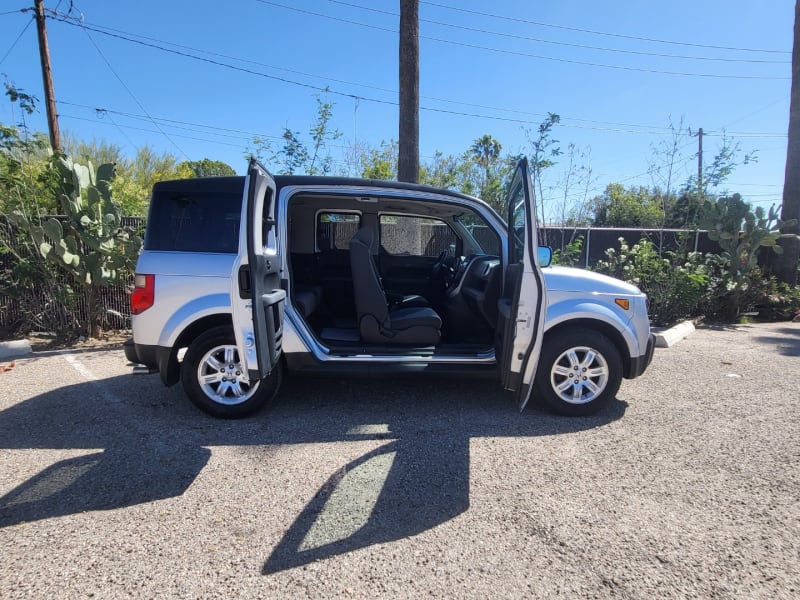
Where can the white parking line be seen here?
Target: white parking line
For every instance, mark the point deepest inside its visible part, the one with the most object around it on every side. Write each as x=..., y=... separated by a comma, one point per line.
x=87, y=374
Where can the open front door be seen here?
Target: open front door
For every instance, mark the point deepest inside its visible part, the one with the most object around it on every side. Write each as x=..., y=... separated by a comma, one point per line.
x=522, y=304
x=257, y=300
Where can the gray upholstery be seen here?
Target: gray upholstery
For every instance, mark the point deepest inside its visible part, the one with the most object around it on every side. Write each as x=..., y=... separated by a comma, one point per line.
x=307, y=299
x=377, y=322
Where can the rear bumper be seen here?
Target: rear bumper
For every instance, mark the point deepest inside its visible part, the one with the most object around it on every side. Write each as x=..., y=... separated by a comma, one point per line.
x=156, y=357
x=639, y=364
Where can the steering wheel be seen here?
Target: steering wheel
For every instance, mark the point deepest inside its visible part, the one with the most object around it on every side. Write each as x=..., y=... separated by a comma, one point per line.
x=439, y=264
x=444, y=269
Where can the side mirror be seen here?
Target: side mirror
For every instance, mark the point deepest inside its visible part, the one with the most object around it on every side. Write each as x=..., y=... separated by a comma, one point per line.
x=545, y=256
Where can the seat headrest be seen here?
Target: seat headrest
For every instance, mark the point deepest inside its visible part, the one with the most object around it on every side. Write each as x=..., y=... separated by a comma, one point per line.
x=365, y=235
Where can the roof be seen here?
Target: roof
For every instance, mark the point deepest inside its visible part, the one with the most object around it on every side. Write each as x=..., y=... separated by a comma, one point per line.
x=236, y=184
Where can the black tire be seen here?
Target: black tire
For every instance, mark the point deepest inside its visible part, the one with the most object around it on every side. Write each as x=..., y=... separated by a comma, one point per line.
x=232, y=398
x=598, y=374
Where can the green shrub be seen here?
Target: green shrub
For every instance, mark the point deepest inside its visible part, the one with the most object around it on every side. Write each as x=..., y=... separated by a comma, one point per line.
x=570, y=254
x=777, y=301
x=674, y=283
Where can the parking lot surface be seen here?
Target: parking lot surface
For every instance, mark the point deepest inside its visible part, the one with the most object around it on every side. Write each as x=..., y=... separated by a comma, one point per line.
x=688, y=485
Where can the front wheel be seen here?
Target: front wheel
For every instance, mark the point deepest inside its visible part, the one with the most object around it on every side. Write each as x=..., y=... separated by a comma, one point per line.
x=579, y=372
x=216, y=381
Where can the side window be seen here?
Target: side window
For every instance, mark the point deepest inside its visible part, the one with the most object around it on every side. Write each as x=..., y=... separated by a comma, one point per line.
x=416, y=236
x=516, y=218
x=193, y=221
x=334, y=230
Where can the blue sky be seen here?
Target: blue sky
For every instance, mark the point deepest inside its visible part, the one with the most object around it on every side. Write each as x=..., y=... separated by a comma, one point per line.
x=616, y=73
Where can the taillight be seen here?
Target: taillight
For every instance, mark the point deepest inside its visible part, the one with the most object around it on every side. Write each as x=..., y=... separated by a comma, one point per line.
x=144, y=292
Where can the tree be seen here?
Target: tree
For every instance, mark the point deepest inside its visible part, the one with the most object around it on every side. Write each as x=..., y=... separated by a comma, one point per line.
x=788, y=262
x=662, y=167
x=25, y=178
x=545, y=150
x=484, y=153
x=442, y=172
x=294, y=156
x=684, y=211
x=627, y=207
x=408, y=161
x=381, y=162
x=204, y=168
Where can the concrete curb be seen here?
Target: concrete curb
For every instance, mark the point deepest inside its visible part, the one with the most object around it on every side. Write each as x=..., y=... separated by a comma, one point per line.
x=14, y=349
x=673, y=335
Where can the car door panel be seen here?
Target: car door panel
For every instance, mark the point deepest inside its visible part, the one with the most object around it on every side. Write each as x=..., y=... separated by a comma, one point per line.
x=521, y=306
x=257, y=299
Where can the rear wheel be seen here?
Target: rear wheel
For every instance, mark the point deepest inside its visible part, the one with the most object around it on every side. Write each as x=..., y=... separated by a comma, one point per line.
x=579, y=372
x=216, y=382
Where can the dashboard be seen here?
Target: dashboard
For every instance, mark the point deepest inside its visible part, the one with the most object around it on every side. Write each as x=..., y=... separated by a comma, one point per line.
x=477, y=279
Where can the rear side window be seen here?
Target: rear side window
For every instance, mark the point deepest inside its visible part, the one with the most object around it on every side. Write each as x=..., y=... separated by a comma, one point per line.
x=193, y=221
x=334, y=230
x=416, y=236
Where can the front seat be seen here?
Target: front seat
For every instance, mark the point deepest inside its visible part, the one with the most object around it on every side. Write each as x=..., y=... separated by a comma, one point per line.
x=377, y=322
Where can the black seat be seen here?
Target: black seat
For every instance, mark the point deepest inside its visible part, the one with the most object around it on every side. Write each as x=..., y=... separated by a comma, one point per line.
x=377, y=322
x=307, y=299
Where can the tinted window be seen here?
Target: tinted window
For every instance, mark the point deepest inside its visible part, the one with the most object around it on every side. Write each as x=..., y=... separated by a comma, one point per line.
x=416, y=236
x=194, y=221
x=334, y=230
x=516, y=213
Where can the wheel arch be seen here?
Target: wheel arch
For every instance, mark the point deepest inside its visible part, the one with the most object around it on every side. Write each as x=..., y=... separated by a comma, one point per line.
x=170, y=369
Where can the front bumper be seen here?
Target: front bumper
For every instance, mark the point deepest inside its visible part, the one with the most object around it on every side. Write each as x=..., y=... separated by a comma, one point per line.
x=639, y=364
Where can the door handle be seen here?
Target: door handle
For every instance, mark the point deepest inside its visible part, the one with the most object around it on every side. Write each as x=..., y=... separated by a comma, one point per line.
x=245, y=289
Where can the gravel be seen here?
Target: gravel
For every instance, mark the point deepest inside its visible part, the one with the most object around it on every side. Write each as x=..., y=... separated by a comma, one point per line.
x=688, y=485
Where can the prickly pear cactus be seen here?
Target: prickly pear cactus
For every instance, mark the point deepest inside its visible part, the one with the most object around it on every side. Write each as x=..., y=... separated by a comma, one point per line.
x=91, y=243
x=740, y=231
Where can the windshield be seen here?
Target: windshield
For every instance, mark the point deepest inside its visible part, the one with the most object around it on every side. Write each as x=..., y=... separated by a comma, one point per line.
x=482, y=238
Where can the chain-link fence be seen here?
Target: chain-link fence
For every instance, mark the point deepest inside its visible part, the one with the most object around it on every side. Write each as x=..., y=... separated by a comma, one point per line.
x=37, y=296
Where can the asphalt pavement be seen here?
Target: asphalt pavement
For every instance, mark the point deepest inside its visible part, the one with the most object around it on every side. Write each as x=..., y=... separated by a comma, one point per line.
x=687, y=486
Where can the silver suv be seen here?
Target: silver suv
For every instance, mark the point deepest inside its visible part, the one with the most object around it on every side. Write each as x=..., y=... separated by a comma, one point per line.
x=244, y=279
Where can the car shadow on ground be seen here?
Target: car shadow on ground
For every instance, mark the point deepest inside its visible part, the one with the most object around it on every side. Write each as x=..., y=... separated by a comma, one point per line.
x=146, y=443
x=789, y=345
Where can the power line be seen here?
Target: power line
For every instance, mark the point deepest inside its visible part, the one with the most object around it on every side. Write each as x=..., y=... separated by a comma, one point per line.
x=130, y=92
x=125, y=135
x=18, y=38
x=242, y=134
x=528, y=54
x=603, y=33
x=616, y=127
x=165, y=120
x=183, y=125
x=105, y=29
x=188, y=137
x=568, y=44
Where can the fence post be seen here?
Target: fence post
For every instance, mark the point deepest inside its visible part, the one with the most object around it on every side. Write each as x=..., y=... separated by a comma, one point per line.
x=588, y=245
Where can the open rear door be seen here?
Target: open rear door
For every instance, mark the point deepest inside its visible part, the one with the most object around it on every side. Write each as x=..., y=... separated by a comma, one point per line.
x=522, y=304
x=257, y=300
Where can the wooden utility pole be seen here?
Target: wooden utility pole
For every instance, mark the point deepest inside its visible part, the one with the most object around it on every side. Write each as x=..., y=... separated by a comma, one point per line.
x=47, y=79
x=408, y=131
x=788, y=261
